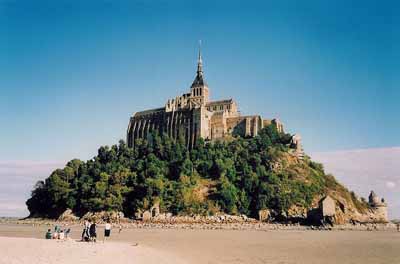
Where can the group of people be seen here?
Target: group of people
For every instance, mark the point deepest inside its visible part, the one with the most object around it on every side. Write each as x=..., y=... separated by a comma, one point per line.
x=58, y=233
x=89, y=233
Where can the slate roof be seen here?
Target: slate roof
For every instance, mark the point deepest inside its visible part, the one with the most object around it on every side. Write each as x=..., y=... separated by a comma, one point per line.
x=199, y=80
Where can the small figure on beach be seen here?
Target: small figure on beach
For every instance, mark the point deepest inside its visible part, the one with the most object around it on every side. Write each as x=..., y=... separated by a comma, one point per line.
x=61, y=235
x=67, y=231
x=92, y=232
x=120, y=228
x=49, y=234
x=85, y=232
x=398, y=226
x=107, y=231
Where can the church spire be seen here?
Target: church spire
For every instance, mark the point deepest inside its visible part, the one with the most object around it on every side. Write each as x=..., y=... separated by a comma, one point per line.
x=199, y=61
x=199, y=81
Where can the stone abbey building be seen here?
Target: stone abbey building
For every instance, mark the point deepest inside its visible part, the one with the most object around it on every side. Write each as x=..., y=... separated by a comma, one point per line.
x=193, y=115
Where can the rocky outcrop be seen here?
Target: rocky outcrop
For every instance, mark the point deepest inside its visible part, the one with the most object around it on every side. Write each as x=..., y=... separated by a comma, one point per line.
x=331, y=209
x=296, y=212
x=337, y=209
x=67, y=216
x=198, y=219
x=113, y=216
x=264, y=215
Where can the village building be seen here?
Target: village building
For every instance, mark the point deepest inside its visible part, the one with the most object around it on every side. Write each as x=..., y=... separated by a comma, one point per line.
x=328, y=207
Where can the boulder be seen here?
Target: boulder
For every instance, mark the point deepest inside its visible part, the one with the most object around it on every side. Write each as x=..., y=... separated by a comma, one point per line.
x=297, y=212
x=146, y=216
x=264, y=215
x=103, y=216
x=68, y=216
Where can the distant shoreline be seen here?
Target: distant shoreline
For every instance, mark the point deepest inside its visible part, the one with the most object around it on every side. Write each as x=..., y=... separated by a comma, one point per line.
x=258, y=226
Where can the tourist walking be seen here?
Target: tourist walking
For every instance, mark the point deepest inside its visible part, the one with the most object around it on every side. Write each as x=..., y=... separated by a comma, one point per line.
x=66, y=232
x=85, y=231
x=107, y=231
x=92, y=232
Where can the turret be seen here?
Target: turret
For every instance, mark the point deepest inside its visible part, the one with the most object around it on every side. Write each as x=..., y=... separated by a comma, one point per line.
x=378, y=207
x=374, y=200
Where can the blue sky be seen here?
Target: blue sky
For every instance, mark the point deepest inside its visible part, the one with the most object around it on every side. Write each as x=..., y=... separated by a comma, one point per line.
x=72, y=72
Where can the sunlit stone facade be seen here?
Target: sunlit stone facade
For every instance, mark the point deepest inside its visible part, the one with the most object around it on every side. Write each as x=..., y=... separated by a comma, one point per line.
x=192, y=116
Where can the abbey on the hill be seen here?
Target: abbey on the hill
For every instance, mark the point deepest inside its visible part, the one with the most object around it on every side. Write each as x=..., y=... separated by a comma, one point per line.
x=192, y=115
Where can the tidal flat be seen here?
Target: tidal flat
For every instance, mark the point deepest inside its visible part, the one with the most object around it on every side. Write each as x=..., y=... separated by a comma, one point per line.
x=228, y=246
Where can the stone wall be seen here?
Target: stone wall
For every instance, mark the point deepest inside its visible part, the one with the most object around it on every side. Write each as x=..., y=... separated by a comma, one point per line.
x=276, y=122
x=328, y=206
x=176, y=124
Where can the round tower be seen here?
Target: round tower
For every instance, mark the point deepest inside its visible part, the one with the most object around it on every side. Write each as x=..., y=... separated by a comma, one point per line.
x=378, y=207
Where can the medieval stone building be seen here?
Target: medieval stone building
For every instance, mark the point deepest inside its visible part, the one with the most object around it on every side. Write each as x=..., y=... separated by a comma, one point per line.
x=378, y=207
x=193, y=116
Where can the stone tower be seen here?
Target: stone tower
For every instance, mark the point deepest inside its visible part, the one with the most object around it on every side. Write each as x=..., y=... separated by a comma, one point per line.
x=378, y=207
x=199, y=90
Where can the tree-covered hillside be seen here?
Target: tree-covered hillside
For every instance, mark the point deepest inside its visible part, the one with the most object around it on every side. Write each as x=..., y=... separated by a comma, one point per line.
x=236, y=176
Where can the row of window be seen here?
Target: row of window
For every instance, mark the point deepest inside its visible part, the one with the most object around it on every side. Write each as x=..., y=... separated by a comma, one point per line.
x=219, y=107
x=198, y=92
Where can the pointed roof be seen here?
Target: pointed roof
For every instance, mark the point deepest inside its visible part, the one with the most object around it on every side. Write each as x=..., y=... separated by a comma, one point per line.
x=199, y=80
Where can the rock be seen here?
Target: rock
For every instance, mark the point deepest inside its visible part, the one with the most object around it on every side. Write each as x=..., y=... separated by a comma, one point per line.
x=87, y=216
x=298, y=212
x=103, y=216
x=146, y=216
x=68, y=216
x=264, y=215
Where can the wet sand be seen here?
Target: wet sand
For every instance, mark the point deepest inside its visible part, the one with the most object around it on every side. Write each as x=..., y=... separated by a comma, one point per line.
x=245, y=246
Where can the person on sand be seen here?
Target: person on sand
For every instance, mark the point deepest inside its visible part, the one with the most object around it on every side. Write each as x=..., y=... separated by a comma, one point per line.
x=49, y=234
x=61, y=235
x=56, y=232
x=66, y=232
x=107, y=231
x=92, y=232
x=85, y=232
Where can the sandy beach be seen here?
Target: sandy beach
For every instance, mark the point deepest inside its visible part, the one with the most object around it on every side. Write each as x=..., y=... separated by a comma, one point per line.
x=25, y=244
x=38, y=251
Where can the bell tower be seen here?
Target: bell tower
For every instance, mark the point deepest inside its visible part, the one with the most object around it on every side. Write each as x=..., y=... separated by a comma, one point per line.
x=199, y=89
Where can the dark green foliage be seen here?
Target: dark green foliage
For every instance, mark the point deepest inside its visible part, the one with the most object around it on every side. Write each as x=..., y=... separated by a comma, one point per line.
x=236, y=176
